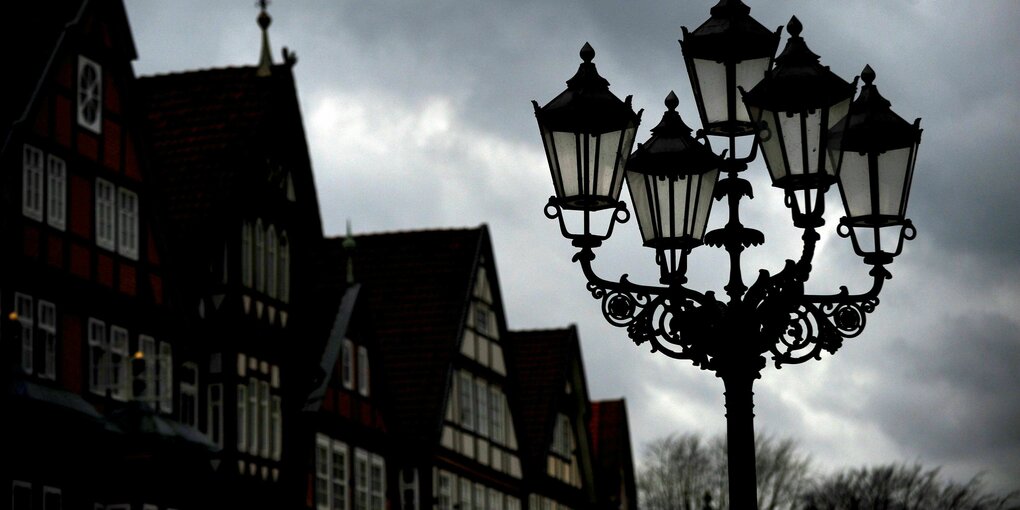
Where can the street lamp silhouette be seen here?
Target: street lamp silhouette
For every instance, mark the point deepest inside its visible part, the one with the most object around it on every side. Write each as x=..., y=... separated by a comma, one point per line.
x=812, y=135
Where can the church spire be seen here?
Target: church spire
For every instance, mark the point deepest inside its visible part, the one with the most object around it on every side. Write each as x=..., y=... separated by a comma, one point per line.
x=266, y=58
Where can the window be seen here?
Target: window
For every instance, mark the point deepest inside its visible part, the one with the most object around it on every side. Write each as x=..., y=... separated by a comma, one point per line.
x=481, y=319
x=482, y=396
x=377, y=484
x=31, y=183
x=166, y=377
x=264, y=418
x=347, y=364
x=466, y=401
x=90, y=94
x=242, y=418
x=214, y=413
x=188, y=399
x=253, y=416
x=479, y=500
x=276, y=427
x=260, y=257
x=246, y=274
x=56, y=192
x=363, y=372
x=445, y=491
x=23, y=307
x=105, y=219
x=145, y=389
x=284, y=267
x=21, y=495
x=118, y=381
x=48, y=338
x=465, y=494
x=271, y=261
x=98, y=354
x=495, y=500
x=331, y=472
x=52, y=499
x=562, y=437
x=496, y=412
x=127, y=223
x=361, y=480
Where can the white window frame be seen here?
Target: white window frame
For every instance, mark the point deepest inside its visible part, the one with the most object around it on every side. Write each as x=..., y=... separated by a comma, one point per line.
x=214, y=413
x=99, y=354
x=147, y=349
x=56, y=192
x=242, y=418
x=482, y=405
x=498, y=415
x=465, y=400
x=323, y=473
x=18, y=484
x=271, y=261
x=96, y=92
x=253, y=416
x=444, y=491
x=264, y=437
x=31, y=182
x=118, y=381
x=24, y=307
x=260, y=256
x=284, y=268
x=127, y=223
x=338, y=478
x=479, y=498
x=276, y=427
x=188, y=398
x=48, y=338
x=377, y=483
x=361, y=483
x=347, y=364
x=106, y=219
x=465, y=489
x=166, y=377
x=52, y=490
x=364, y=383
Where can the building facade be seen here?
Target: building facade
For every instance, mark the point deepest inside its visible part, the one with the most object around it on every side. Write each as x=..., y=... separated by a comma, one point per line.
x=177, y=333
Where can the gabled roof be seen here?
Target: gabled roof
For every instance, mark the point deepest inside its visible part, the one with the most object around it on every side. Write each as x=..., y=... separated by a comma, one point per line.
x=33, y=33
x=416, y=287
x=211, y=134
x=614, y=461
x=543, y=360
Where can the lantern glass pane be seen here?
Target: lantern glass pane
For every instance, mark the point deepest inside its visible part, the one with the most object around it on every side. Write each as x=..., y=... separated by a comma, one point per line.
x=892, y=178
x=670, y=206
x=813, y=141
x=624, y=150
x=855, y=184
x=789, y=124
x=608, y=147
x=550, y=154
x=771, y=142
x=706, y=187
x=639, y=195
x=838, y=112
x=749, y=73
x=711, y=77
x=566, y=155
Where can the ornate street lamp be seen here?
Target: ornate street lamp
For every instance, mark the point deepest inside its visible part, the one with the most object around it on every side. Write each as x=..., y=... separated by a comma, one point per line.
x=876, y=150
x=807, y=128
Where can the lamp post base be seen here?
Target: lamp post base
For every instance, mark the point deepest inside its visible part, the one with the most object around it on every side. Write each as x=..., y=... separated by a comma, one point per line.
x=743, y=483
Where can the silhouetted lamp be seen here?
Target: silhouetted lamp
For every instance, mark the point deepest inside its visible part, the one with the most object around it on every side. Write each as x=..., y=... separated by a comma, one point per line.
x=671, y=178
x=588, y=134
x=728, y=51
x=794, y=107
x=876, y=150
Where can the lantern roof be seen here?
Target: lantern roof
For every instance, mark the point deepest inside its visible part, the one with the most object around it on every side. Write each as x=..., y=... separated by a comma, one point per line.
x=672, y=149
x=587, y=106
x=798, y=81
x=730, y=34
x=873, y=126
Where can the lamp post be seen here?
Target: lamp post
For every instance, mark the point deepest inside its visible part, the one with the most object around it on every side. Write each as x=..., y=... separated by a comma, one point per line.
x=812, y=135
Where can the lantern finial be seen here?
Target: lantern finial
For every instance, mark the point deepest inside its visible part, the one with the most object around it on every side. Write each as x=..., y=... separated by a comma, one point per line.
x=868, y=74
x=794, y=27
x=671, y=101
x=587, y=53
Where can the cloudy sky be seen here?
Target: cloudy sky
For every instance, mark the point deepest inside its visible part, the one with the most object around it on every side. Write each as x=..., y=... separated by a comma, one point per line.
x=418, y=116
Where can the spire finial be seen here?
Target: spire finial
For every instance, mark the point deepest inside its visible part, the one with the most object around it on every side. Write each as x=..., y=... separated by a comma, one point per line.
x=794, y=27
x=672, y=101
x=587, y=53
x=868, y=74
x=266, y=57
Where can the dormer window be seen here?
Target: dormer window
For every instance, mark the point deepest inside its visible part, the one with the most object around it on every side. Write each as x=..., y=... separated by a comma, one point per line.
x=90, y=95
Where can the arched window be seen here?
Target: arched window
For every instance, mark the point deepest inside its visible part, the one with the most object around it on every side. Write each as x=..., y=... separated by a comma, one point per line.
x=246, y=254
x=284, y=268
x=260, y=256
x=271, y=262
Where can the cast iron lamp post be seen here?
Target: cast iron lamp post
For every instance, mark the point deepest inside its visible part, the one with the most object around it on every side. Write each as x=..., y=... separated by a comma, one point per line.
x=812, y=135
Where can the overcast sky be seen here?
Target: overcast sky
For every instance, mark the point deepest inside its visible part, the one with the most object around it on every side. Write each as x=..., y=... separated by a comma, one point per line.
x=418, y=116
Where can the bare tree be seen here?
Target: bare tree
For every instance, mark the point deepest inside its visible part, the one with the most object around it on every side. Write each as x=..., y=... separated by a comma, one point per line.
x=685, y=472
x=901, y=487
